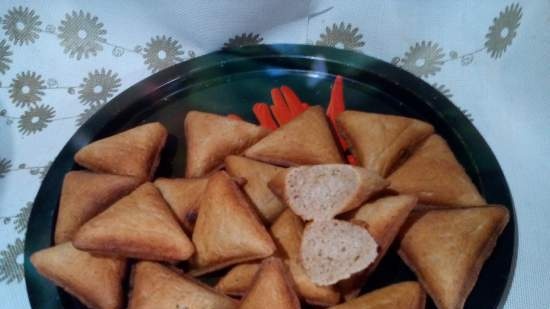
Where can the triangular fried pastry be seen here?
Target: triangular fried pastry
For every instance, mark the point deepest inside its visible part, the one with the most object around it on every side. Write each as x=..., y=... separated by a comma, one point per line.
x=287, y=232
x=134, y=152
x=447, y=248
x=383, y=218
x=306, y=139
x=158, y=287
x=379, y=141
x=210, y=138
x=227, y=230
x=238, y=280
x=404, y=295
x=139, y=225
x=257, y=175
x=183, y=196
x=84, y=195
x=96, y=281
x=320, y=192
x=272, y=286
x=434, y=175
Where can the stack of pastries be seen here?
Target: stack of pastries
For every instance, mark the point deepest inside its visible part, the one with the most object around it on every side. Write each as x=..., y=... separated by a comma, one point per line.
x=280, y=212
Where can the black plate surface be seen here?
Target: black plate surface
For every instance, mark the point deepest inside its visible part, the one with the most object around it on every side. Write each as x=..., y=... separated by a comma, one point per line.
x=231, y=82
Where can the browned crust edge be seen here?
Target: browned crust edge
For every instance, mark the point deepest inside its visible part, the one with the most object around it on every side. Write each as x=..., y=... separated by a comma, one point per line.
x=478, y=265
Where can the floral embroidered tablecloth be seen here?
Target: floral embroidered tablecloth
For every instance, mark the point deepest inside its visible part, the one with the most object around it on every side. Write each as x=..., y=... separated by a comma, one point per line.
x=60, y=61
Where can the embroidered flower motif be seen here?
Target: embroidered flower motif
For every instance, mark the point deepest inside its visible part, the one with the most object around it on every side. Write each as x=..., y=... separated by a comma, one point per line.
x=162, y=52
x=424, y=59
x=467, y=59
x=44, y=170
x=22, y=218
x=87, y=114
x=52, y=83
x=443, y=89
x=243, y=39
x=118, y=51
x=453, y=54
x=81, y=35
x=40, y=170
x=11, y=262
x=36, y=119
x=395, y=61
x=98, y=87
x=5, y=166
x=26, y=88
x=467, y=114
x=341, y=36
x=21, y=25
x=503, y=30
x=50, y=29
x=5, y=54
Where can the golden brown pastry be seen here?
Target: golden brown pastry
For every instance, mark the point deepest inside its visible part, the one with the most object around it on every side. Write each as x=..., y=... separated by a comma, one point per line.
x=227, y=230
x=84, y=195
x=238, y=280
x=96, y=281
x=134, y=152
x=159, y=287
x=379, y=141
x=183, y=196
x=139, y=225
x=257, y=175
x=434, y=175
x=210, y=138
x=287, y=233
x=447, y=249
x=271, y=288
x=306, y=139
x=383, y=219
x=404, y=295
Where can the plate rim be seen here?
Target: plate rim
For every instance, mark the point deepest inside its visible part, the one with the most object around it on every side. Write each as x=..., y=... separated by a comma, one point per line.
x=185, y=70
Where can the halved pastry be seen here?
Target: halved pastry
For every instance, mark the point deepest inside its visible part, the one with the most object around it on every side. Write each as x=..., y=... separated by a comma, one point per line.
x=287, y=232
x=320, y=192
x=383, y=218
x=333, y=250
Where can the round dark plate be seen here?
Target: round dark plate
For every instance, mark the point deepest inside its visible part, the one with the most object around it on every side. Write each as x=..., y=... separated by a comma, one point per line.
x=232, y=81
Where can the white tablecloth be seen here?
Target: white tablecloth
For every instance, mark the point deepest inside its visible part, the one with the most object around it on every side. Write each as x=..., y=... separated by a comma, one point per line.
x=61, y=60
